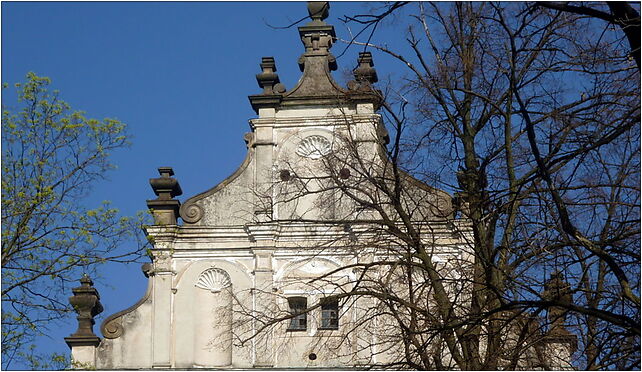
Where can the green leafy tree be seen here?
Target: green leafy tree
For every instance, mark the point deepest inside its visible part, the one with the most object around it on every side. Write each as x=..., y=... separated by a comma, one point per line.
x=51, y=156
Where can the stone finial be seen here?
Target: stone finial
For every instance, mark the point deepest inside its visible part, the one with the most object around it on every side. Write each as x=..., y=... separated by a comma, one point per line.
x=559, y=343
x=165, y=207
x=316, y=86
x=268, y=79
x=86, y=302
x=317, y=37
x=365, y=71
x=365, y=75
x=165, y=187
x=318, y=10
x=272, y=87
x=558, y=290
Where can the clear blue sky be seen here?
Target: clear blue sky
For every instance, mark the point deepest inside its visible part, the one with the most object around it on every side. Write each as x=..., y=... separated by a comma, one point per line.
x=177, y=73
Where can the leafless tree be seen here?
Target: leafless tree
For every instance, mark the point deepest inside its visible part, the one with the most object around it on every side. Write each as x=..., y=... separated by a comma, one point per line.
x=530, y=117
x=619, y=13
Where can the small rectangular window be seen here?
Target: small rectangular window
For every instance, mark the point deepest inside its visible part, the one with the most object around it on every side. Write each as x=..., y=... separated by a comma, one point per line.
x=298, y=305
x=330, y=314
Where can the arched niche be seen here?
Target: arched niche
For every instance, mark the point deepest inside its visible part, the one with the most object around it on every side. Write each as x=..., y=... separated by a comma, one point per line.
x=204, y=317
x=304, y=154
x=213, y=319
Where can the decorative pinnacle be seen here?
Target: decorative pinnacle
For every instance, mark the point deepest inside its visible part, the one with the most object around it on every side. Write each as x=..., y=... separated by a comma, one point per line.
x=558, y=290
x=268, y=79
x=86, y=281
x=364, y=74
x=86, y=303
x=317, y=37
x=365, y=71
x=165, y=207
x=166, y=172
x=165, y=187
x=318, y=10
x=268, y=64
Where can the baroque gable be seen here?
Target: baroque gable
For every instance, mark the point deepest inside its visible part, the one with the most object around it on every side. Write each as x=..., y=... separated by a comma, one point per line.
x=233, y=266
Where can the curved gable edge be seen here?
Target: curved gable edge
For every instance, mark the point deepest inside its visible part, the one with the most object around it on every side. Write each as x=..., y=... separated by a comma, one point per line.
x=112, y=326
x=191, y=212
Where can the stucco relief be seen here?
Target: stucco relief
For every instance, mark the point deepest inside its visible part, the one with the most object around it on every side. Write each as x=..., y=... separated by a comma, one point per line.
x=314, y=147
x=297, y=145
x=214, y=280
x=314, y=266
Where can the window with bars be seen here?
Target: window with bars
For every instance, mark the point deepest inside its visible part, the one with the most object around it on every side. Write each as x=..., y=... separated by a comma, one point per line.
x=329, y=314
x=297, y=307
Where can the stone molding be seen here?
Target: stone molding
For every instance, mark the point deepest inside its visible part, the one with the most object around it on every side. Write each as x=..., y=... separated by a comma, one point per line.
x=286, y=231
x=568, y=339
x=77, y=341
x=259, y=101
x=328, y=120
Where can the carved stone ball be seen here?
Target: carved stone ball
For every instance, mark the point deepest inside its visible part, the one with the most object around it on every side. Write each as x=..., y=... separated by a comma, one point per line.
x=318, y=9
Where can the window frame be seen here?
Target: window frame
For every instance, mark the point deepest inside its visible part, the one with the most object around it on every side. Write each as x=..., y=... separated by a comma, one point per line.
x=297, y=307
x=329, y=315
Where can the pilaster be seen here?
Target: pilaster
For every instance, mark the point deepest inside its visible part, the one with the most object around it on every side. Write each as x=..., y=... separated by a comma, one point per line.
x=264, y=150
x=265, y=302
x=162, y=277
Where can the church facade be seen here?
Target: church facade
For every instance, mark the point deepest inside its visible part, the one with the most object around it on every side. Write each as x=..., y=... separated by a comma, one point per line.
x=255, y=274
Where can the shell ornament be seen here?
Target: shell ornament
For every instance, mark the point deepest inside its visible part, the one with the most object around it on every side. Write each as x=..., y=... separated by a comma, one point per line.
x=314, y=147
x=214, y=280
